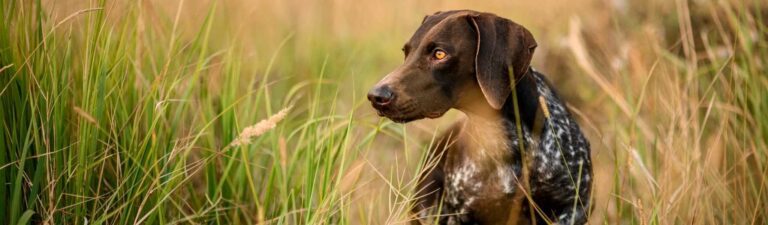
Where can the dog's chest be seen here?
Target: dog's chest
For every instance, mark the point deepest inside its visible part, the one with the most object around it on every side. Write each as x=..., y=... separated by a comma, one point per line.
x=468, y=184
x=480, y=180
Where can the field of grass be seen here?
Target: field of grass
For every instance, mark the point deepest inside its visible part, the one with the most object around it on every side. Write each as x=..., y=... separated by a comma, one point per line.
x=254, y=112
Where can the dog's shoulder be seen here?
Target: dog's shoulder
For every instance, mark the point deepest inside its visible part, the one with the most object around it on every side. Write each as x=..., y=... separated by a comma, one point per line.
x=560, y=131
x=561, y=164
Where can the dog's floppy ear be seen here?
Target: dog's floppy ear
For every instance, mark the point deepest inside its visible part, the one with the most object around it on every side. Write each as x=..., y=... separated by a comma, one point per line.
x=501, y=45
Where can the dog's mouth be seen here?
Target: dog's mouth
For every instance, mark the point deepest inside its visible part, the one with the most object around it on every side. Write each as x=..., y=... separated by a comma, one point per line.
x=434, y=115
x=398, y=117
x=405, y=116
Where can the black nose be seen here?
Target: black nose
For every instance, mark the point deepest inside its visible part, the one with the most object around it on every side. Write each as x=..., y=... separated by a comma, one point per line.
x=381, y=96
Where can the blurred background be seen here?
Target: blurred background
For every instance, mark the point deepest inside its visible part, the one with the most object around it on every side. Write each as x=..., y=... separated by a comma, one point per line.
x=123, y=112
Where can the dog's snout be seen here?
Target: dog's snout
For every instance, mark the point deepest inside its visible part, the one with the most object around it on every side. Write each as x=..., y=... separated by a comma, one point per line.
x=381, y=96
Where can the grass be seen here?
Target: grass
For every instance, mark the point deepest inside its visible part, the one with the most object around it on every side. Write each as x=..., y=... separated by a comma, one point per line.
x=125, y=112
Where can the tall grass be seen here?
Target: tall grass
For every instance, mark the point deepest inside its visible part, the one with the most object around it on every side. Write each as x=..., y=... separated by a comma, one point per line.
x=688, y=141
x=198, y=112
x=110, y=122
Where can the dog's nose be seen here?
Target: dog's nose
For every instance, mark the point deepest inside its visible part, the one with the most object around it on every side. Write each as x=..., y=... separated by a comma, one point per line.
x=381, y=96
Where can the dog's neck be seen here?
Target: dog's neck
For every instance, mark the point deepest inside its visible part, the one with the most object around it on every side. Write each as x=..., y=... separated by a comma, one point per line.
x=487, y=128
x=473, y=103
x=528, y=100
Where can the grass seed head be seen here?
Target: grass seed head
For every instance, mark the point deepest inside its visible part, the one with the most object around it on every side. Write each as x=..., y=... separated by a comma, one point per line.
x=259, y=128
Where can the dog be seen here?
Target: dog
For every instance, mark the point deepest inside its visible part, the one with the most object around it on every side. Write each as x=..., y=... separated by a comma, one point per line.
x=493, y=167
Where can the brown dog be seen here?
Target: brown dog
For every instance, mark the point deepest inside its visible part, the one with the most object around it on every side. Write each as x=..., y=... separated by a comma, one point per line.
x=490, y=169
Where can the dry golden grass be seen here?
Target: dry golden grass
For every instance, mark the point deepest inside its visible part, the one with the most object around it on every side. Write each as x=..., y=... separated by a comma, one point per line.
x=672, y=95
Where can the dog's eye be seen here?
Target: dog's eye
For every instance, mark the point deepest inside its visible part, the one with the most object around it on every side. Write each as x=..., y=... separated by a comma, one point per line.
x=440, y=54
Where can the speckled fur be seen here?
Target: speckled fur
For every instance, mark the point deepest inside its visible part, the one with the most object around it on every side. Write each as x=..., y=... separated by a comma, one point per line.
x=479, y=189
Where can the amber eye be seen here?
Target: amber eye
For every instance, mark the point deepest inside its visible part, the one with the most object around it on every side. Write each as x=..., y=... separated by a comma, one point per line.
x=439, y=54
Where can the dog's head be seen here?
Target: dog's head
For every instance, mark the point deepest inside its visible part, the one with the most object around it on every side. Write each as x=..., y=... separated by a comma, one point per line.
x=451, y=56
